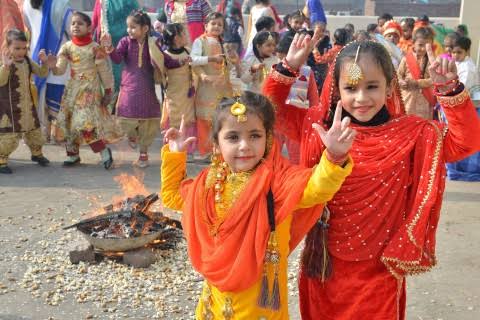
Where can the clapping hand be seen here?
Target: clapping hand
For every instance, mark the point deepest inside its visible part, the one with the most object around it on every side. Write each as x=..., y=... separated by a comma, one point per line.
x=339, y=138
x=177, y=142
x=442, y=71
x=42, y=56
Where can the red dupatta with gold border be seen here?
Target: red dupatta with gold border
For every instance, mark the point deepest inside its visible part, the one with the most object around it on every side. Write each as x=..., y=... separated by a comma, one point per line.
x=389, y=207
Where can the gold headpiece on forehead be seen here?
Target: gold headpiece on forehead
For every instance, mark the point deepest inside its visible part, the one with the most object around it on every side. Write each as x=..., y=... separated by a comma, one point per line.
x=239, y=110
x=355, y=73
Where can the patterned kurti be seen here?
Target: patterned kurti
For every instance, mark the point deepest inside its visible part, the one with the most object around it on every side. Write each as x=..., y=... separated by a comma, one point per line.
x=17, y=107
x=137, y=98
x=79, y=111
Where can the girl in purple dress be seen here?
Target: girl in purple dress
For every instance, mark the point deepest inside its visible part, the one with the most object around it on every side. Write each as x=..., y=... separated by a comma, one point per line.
x=138, y=108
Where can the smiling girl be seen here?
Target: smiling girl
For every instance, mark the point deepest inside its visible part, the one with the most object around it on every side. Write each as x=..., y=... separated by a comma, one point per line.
x=383, y=220
x=244, y=214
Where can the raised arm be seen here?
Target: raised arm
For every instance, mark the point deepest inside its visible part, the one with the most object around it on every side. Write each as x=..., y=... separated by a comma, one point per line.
x=62, y=60
x=463, y=135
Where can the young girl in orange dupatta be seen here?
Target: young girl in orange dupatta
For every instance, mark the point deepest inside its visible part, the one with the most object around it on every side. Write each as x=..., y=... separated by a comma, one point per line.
x=383, y=220
x=242, y=215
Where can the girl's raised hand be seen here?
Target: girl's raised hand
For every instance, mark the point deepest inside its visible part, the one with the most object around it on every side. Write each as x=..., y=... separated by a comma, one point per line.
x=42, y=56
x=177, y=142
x=339, y=138
x=51, y=61
x=442, y=71
x=7, y=59
x=302, y=45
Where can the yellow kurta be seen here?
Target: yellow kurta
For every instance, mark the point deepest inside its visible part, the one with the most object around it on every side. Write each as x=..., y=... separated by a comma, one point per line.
x=325, y=181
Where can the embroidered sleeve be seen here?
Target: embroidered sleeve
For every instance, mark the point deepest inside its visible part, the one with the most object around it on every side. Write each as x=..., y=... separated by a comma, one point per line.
x=326, y=180
x=39, y=70
x=463, y=135
x=173, y=171
x=62, y=60
x=4, y=74
x=104, y=70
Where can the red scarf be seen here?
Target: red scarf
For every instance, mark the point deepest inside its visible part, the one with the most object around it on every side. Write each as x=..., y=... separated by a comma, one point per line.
x=389, y=206
x=82, y=41
x=414, y=68
x=233, y=260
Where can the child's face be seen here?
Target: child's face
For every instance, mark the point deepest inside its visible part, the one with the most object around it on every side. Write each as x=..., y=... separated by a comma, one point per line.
x=136, y=31
x=407, y=31
x=242, y=144
x=267, y=49
x=364, y=100
x=295, y=23
x=392, y=37
x=459, y=54
x=18, y=50
x=448, y=44
x=420, y=46
x=214, y=27
x=181, y=40
x=79, y=27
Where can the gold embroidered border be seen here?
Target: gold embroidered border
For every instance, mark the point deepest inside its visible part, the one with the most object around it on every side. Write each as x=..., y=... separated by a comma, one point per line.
x=453, y=101
x=280, y=78
x=414, y=267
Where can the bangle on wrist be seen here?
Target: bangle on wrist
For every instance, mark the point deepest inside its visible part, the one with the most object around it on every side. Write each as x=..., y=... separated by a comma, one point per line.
x=454, y=90
x=289, y=68
x=335, y=159
x=437, y=85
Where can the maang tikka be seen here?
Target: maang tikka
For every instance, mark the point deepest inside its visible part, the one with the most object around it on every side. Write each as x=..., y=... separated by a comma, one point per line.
x=355, y=73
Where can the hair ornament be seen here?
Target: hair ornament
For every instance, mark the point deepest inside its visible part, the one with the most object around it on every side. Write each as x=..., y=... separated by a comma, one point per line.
x=239, y=110
x=270, y=37
x=355, y=73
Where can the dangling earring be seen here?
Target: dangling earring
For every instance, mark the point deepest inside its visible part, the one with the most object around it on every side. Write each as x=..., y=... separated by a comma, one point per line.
x=268, y=144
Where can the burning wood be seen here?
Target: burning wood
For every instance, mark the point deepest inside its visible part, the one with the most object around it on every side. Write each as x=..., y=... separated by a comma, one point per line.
x=129, y=224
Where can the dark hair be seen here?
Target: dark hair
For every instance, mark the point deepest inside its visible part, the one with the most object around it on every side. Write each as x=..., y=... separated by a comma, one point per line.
x=410, y=22
x=141, y=18
x=372, y=27
x=386, y=16
x=463, y=29
x=342, y=36
x=213, y=16
x=377, y=51
x=296, y=15
x=234, y=11
x=260, y=38
x=264, y=22
x=255, y=103
x=15, y=35
x=262, y=1
x=362, y=33
x=464, y=43
x=284, y=44
x=452, y=35
x=170, y=31
x=350, y=28
x=161, y=16
x=83, y=16
x=36, y=4
x=423, y=32
x=424, y=18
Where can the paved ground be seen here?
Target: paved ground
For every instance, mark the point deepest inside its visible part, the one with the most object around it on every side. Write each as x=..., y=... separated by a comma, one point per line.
x=38, y=282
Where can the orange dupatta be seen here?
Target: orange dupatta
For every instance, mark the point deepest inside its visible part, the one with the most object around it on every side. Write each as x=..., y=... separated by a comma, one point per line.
x=233, y=260
x=416, y=74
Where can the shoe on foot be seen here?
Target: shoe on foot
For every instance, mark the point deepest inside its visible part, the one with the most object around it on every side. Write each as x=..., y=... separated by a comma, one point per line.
x=41, y=160
x=107, y=158
x=5, y=169
x=132, y=142
x=142, y=161
x=71, y=161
